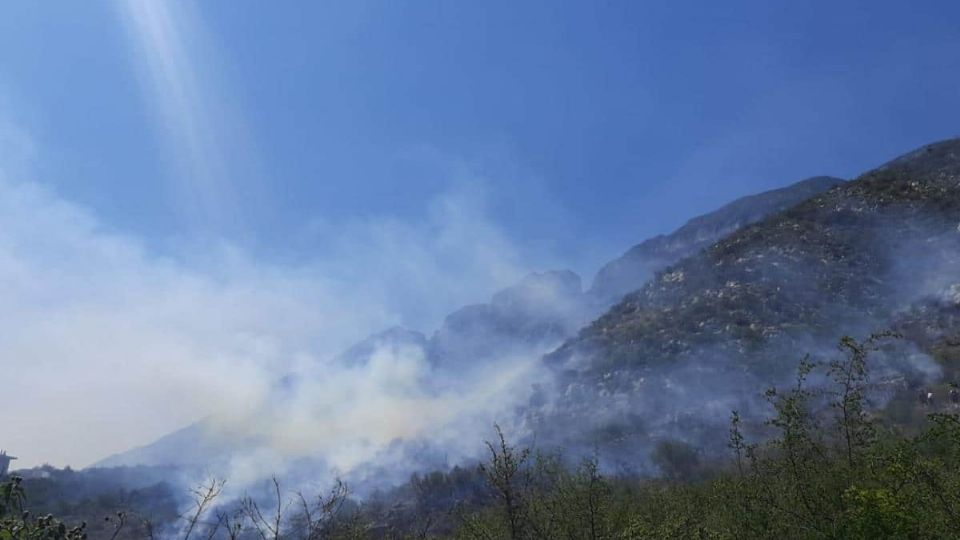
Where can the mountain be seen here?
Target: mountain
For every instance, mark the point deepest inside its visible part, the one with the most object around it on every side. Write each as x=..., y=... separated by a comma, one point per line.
x=526, y=320
x=392, y=341
x=702, y=338
x=531, y=317
x=190, y=446
x=545, y=308
x=857, y=246
x=717, y=311
x=631, y=271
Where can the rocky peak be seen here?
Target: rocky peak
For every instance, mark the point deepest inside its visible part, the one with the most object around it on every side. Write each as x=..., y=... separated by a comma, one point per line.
x=541, y=310
x=541, y=292
x=394, y=340
x=632, y=270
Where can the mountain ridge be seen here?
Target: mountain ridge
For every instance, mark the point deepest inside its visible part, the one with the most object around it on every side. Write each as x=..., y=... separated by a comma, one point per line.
x=617, y=376
x=629, y=271
x=740, y=313
x=530, y=318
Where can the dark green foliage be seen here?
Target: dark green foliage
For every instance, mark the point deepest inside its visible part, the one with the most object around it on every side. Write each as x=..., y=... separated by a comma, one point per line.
x=99, y=497
x=18, y=524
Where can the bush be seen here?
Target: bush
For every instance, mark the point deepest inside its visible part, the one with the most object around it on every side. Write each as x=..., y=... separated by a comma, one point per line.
x=17, y=524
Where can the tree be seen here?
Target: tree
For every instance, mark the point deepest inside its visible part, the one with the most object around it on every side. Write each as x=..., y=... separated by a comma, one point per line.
x=507, y=476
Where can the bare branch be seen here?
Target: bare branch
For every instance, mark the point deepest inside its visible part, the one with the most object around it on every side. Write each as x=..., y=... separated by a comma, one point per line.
x=203, y=496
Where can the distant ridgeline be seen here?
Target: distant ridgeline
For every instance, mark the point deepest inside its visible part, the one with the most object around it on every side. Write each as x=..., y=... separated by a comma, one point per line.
x=684, y=328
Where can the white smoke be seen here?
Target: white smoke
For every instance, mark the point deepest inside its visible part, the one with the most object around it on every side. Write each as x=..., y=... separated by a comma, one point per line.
x=106, y=344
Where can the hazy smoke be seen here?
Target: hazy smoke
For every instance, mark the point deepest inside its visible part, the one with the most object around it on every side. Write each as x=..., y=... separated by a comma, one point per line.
x=108, y=345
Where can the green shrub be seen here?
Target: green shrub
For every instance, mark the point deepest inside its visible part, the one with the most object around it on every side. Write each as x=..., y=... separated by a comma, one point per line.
x=17, y=524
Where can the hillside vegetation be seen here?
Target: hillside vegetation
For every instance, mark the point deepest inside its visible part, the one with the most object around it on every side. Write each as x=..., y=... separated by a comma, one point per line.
x=652, y=420
x=829, y=469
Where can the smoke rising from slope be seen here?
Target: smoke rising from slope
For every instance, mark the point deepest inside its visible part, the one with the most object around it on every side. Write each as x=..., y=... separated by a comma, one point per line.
x=711, y=333
x=107, y=345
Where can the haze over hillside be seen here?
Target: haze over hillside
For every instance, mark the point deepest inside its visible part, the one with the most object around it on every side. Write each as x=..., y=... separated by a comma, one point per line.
x=479, y=270
x=676, y=356
x=195, y=191
x=724, y=307
x=472, y=347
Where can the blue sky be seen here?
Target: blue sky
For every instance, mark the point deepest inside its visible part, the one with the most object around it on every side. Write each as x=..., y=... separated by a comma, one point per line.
x=301, y=173
x=592, y=123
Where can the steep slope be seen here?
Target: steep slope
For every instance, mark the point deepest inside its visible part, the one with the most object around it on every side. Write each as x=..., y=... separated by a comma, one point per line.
x=191, y=446
x=523, y=321
x=392, y=341
x=635, y=267
x=531, y=317
x=709, y=332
